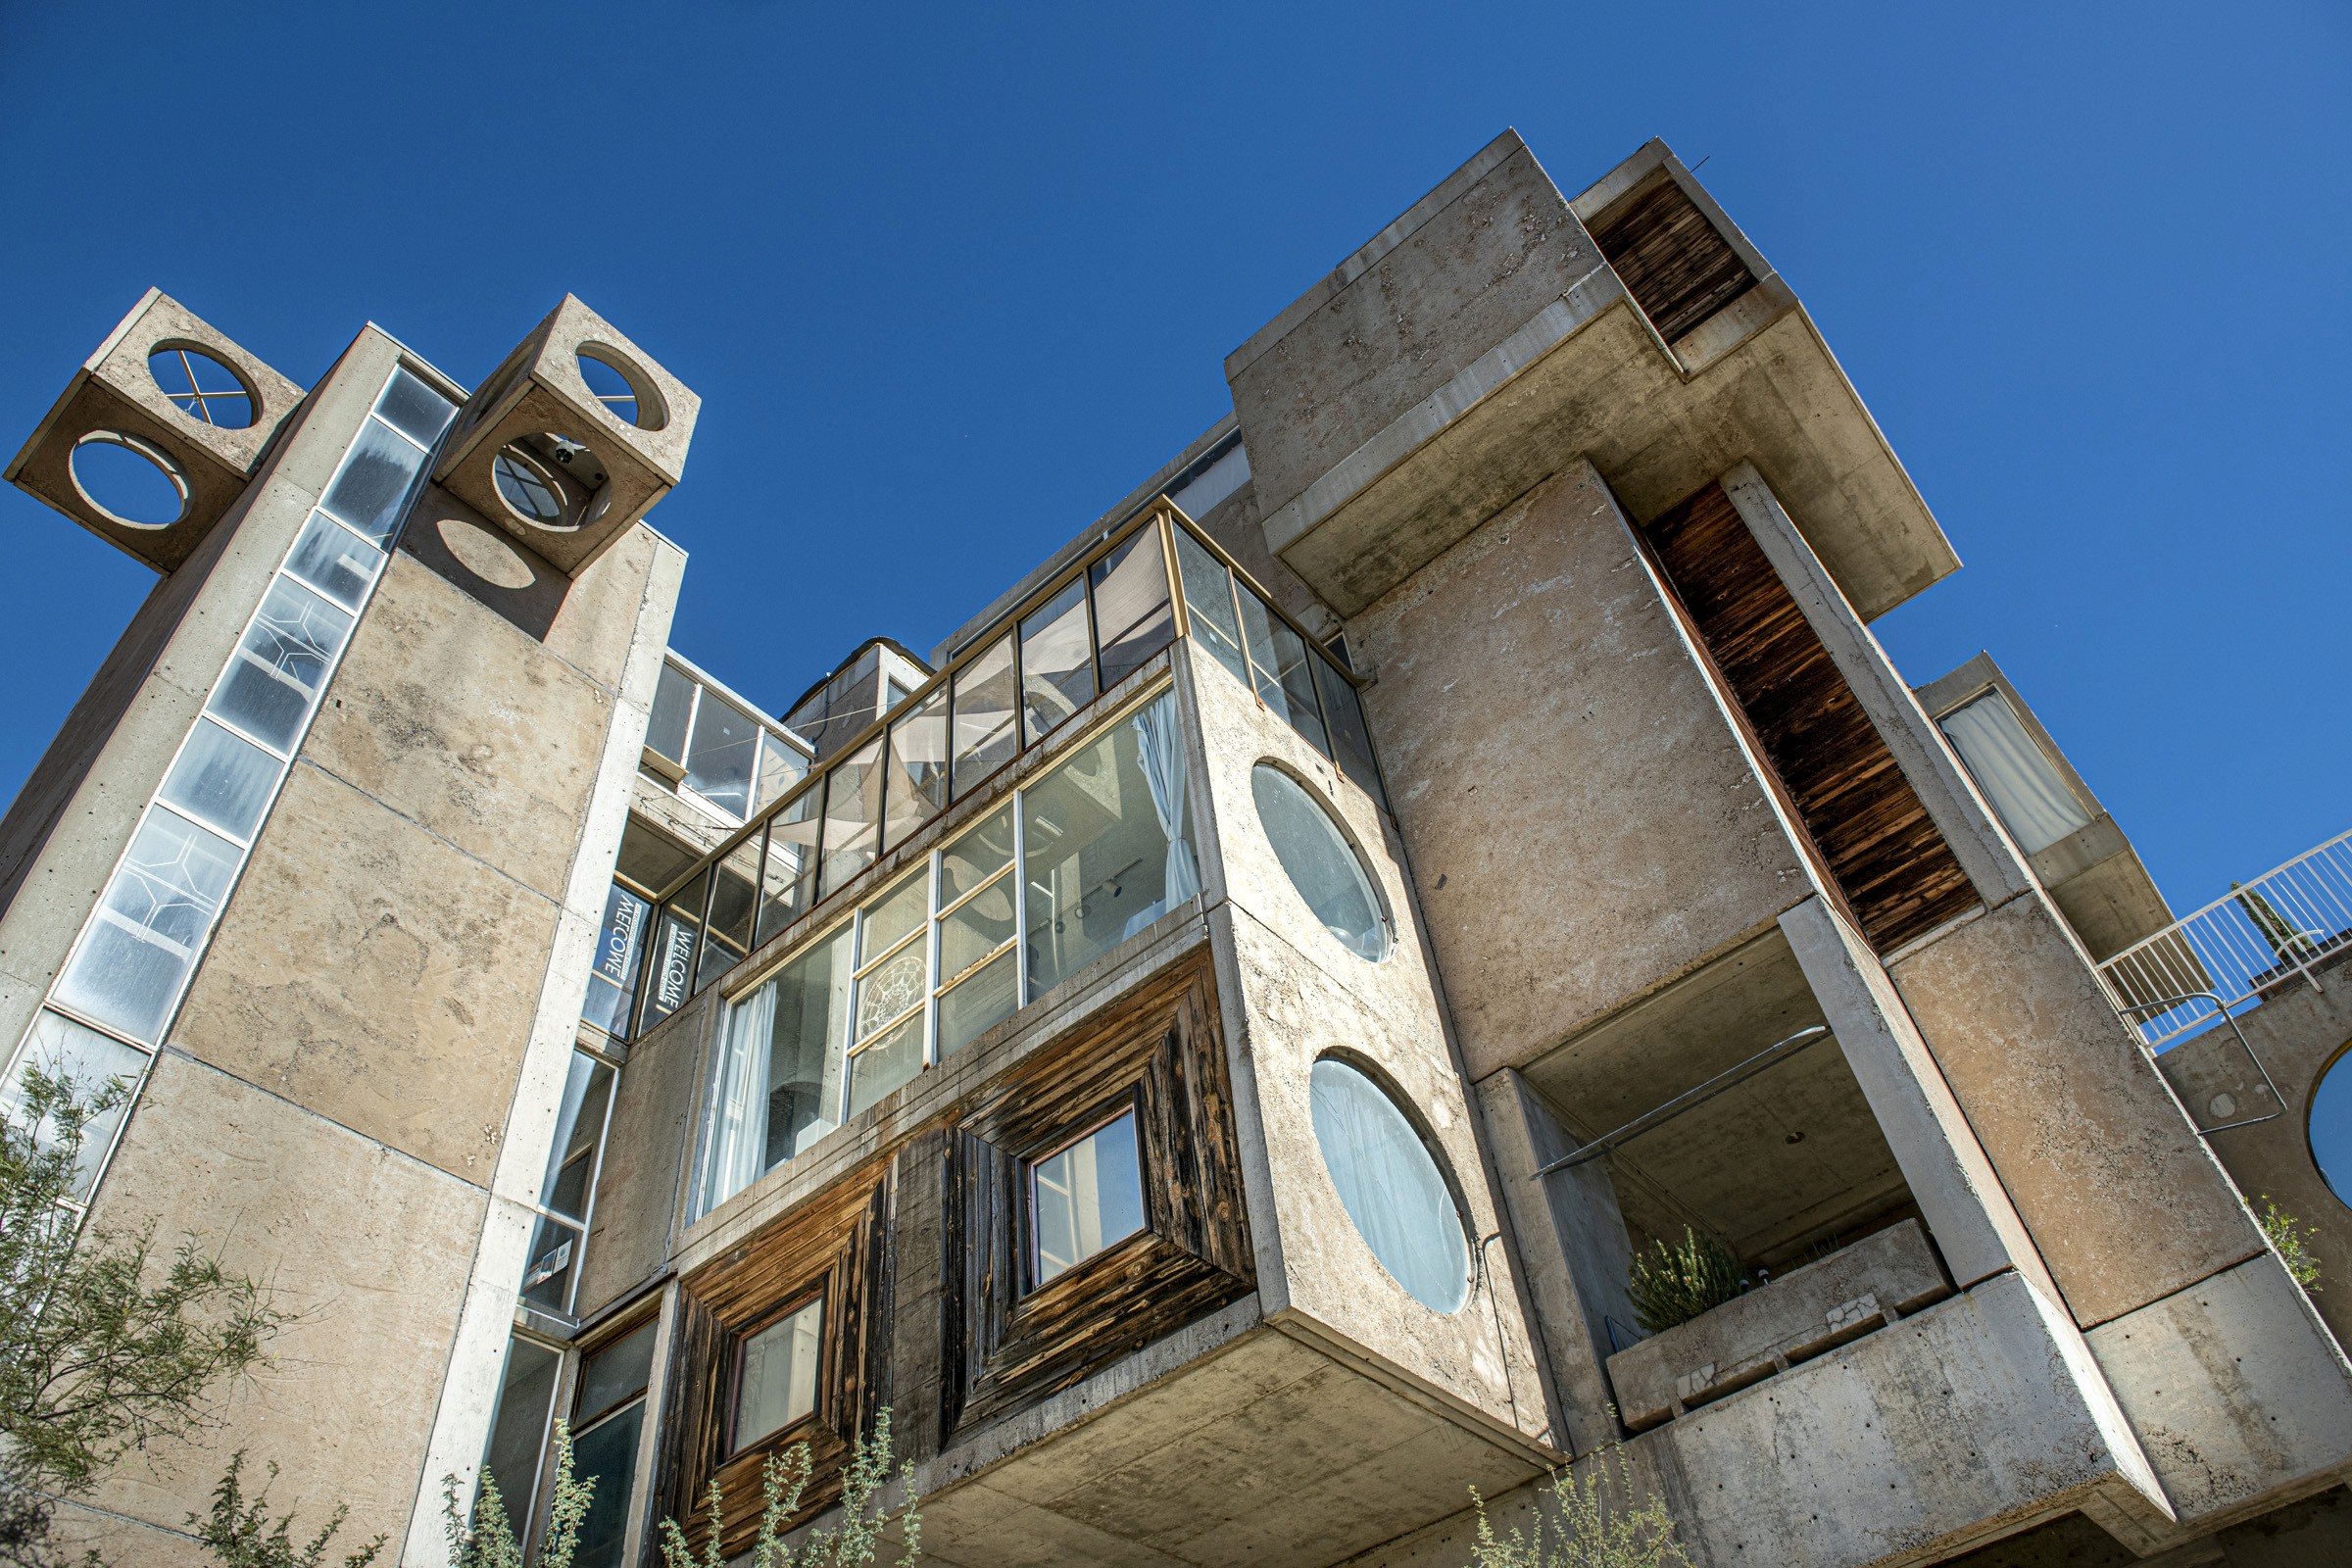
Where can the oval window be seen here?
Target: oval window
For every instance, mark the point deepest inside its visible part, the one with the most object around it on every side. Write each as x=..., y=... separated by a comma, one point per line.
x=1320, y=862
x=2332, y=1127
x=1391, y=1186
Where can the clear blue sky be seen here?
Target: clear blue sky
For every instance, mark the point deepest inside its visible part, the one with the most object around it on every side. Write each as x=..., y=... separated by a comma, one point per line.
x=951, y=282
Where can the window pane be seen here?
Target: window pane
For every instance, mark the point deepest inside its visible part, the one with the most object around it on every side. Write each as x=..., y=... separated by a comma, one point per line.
x=222, y=780
x=890, y=988
x=619, y=1371
x=613, y=983
x=734, y=897
x=1086, y=1197
x=852, y=808
x=144, y=934
x=555, y=1256
x=918, y=767
x=579, y=1127
x=526, y=1398
x=778, y=1383
x=984, y=718
x=417, y=409
x=275, y=676
x=1322, y=866
x=1104, y=840
x=978, y=1003
x=893, y=914
x=1058, y=663
x=2033, y=801
x=333, y=560
x=89, y=1061
x=975, y=928
x=780, y=769
x=374, y=481
x=676, y=932
x=980, y=853
x=606, y=1455
x=1208, y=602
x=779, y=1075
x=891, y=1060
x=673, y=708
x=1132, y=619
x=1285, y=683
x=1351, y=739
x=789, y=875
x=1390, y=1186
x=724, y=755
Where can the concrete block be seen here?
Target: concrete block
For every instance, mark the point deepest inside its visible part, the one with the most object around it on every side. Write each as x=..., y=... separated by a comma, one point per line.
x=1804, y=1313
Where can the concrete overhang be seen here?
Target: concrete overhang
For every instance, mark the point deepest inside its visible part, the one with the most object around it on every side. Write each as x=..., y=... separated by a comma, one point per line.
x=1588, y=375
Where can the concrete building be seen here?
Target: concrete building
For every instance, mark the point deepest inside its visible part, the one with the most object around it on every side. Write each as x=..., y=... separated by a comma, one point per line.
x=1204, y=1046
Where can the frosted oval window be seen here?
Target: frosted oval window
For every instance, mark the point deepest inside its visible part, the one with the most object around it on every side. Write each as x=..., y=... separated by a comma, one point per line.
x=1390, y=1185
x=1320, y=861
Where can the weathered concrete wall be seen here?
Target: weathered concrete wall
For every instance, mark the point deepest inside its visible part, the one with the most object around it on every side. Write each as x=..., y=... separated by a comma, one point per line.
x=2120, y=1197
x=1534, y=676
x=641, y=1188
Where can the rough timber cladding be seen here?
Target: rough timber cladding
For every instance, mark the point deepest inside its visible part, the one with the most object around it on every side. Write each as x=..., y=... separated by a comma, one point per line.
x=1349, y=1085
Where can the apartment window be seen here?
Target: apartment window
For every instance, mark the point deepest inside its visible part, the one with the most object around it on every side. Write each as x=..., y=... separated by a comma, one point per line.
x=607, y=1418
x=775, y=1374
x=714, y=750
x=1390, y=1185
x=1083, y=1198
x=2033, y=801
x=519, y=1428
x=613, y=982
x=74, y=1054
x=1092, y=851
x=550, y=1278
x=1322, y=866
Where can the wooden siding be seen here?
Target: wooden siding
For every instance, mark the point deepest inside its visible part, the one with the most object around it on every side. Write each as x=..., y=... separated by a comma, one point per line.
x=1880, y=847
x=1673, y=262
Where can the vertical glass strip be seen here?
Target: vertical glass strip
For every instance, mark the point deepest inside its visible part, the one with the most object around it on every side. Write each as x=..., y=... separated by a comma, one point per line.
x=1208, y=603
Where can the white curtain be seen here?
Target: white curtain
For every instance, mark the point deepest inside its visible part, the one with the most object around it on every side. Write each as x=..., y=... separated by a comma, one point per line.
x=739, y=1122
x=2033, y=802
x=1389, y=1185
x=1161, y=754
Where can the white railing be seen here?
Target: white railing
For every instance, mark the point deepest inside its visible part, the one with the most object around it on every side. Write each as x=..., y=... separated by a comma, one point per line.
x=2239, y=947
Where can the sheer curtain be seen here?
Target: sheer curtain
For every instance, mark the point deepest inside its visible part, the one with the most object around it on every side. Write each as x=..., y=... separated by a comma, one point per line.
x=2033, y=802
x=1389, y=1185
x=739, y=1120
x=1160, y=752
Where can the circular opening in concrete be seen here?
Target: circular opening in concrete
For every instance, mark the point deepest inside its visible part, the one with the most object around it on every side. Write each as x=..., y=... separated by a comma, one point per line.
x=202, y=387
x=620, y=388
x=1320, y=861
x=128, y=480
x=2330, y=1129
x=1389, y=1184
x=548, y=481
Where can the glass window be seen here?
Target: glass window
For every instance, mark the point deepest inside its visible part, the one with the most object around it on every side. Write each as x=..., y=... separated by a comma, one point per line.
x=613, y=982
x=789, y=875
x=336, y=562
x=676, y=933
x=1320, y=861
x=779, y=1075
x=374, y=481
x=1208, y=603
x=604, y=1451
x=2032, y=800
x=853, y=815
x=222, y=780
x=547, y=1277
x=652, y=860
x=275, y=676
x=780, y=769
x=1105, y=843
x=1285, y=683
x=143, y=937
x=1057, y=662
x=1133, y=618
x=723, y=757
x=918, y=767
x=568, y=1187
x=1390, y=1185
x=673, y=714
x=985, y=740
x=414, y=409
x=89, y=1061
x=619, y=1371
x=734, y=897
x=777, y=1374
x=1085, y=1197
x=1350, y=738
x=526, y=1398
x=978, y=970
x=894, y=978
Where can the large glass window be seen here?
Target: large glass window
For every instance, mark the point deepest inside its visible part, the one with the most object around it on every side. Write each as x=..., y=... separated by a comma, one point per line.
x=1390, y=1185
x=2035, y=802
x=1083, y=1198
x=607, y=1416
x=91, y=1063
x=716, y=750
x=775, y=1374
x=1133, y=617
x=984, y=724
x=1320, y=862
x=569, y=1184
x=613, y=982
x=779, y=1076
x=519, y=1428
x=1057, y=662
x=979, y=973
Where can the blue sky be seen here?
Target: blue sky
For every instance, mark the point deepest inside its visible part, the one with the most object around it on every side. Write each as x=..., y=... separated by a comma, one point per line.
x=950, y=282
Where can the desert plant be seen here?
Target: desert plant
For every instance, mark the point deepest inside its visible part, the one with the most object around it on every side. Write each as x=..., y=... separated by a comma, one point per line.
x=2292, y=1240
x=1673, y=1284
x=1590, y=1523
x=485, y=1539
x=2286, y=943
x=851, y=1543
x=240, y=1534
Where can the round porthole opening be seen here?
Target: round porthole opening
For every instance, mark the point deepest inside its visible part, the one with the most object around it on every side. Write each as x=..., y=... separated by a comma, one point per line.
x=1389, y=1184
x=549, y=481
x=201, y=388
x=127, y=480
x=2330, y=1127
x=1320, y=861
x=620, y=388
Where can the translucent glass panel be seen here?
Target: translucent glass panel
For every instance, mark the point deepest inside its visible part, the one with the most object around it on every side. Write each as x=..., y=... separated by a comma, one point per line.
x=775, y=1381
x=371, y=490
x=141, y=942
x=734, y=900
x=1133, y=615
x=853, y=815
x=613, y=982
x=722, y=758
x=414, y=409
x=978, y=915
x=1278, y=659
x=1085, y=1197
x=917, y=785
x=788, y=877
x=726, y=756
x=1208, y=600
x=222, y=780
x=90, y=1064
x=780, y=1073
x=1390, y=1185
x=672, y=716
x=526, y=1398
x=984, y=724
x=2026, y=787
x=1322, y=866
x=336, y=562
x=274, y=677
x=1058, y=663
x=894, y=982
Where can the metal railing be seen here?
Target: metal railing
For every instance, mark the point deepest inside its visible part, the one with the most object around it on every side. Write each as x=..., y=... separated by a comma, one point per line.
x=2238, y=949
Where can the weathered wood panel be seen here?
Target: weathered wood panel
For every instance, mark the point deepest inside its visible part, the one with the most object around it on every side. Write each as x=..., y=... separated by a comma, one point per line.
x=1882, y=849
x=1673, y=262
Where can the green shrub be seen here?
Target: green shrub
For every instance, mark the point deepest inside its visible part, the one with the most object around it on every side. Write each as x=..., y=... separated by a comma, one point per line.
x=853, y=1542
x=1591, y=1523
x=1671, y=1283
x=240, y=1534
x=2288, y=1235
x=485, y=1539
